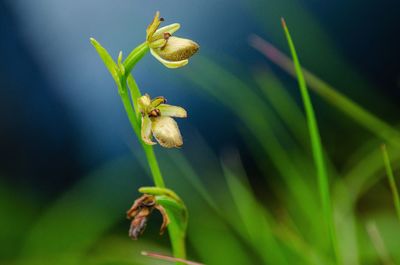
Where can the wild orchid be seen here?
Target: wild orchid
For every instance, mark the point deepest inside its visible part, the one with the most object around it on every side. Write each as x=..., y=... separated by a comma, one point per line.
x=153, y=117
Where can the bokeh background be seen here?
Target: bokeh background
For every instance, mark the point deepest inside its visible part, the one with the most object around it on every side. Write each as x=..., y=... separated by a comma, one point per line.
x=70, y=164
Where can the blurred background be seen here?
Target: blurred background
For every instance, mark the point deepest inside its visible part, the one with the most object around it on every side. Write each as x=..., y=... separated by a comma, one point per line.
x=70, y=163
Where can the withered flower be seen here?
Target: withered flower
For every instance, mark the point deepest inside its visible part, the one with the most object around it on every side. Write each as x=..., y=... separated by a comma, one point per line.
x=140, y=212
x=171, y=51
x=156, y=120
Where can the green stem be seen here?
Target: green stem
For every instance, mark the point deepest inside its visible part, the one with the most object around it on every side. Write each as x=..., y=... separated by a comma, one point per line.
x=133, y=119
x=129, y=110
x=154, y=167
x=148, y=150
x=176, y=236
x=135, y=56
x=135, y=93
x=122, y=77
x=179, y=247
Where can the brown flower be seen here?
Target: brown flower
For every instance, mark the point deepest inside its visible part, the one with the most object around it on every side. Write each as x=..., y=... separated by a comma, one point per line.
x=140, y=212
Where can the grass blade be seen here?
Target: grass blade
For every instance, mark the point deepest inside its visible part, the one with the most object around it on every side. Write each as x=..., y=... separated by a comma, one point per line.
x=316, y=145
x=392, y=182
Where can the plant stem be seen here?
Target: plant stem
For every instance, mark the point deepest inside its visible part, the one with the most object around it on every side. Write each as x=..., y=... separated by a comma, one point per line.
x=123, y=79
x=151, y=158
x=392, y=182
x=177, y=239
x=129, y=110
x=316, y=145
x=130, y=104
x=154, y=167
x=134, y=56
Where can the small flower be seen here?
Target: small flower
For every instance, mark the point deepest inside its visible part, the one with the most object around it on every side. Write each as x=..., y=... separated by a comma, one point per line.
x=171, y=51
x=140, y=212
x=156, y=120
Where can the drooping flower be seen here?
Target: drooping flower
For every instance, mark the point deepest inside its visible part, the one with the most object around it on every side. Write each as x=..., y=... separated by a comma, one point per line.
x=171, y=51
x=157, y=121
x=140, y=212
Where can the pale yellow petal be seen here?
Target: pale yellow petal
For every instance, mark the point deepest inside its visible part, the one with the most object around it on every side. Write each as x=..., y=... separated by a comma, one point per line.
x=157, y=43
x=153, y=26
x=146, y=130
x=166, y=132
x=169, y=64
x=171, y=29
x=172, y=111
x=144, y=102
x=157, y=101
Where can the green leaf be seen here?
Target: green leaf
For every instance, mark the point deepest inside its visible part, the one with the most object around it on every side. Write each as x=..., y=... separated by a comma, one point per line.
x=135, y=93
x=107, y=59
x=160, y=191
x=177, y=209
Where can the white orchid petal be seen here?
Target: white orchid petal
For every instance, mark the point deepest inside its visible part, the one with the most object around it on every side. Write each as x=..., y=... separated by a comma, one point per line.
x=169, y=64
x=172, y=111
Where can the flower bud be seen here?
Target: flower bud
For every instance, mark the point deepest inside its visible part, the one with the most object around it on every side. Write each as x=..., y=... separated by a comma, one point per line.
x=173, y=52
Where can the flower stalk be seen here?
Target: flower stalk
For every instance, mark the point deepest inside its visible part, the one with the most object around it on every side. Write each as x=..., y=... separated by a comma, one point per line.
x=153, y=117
